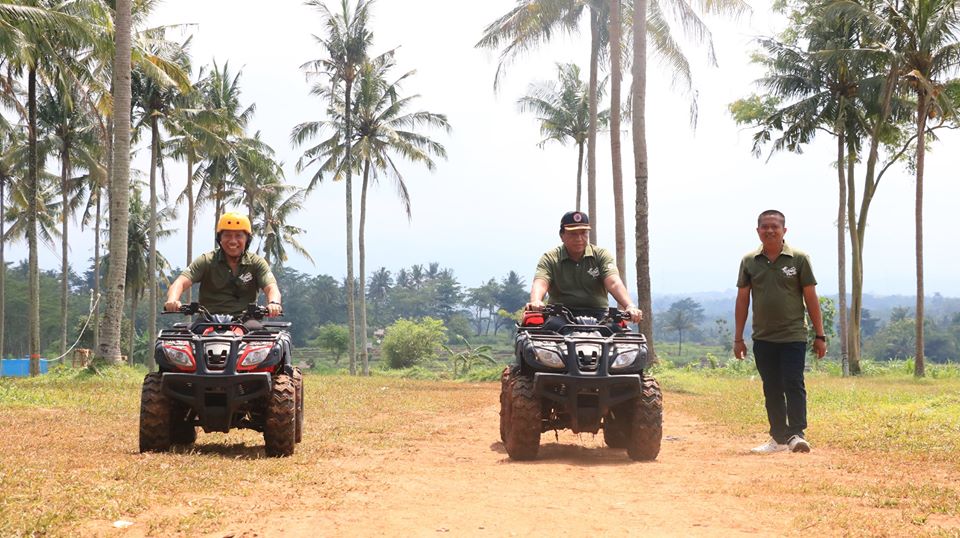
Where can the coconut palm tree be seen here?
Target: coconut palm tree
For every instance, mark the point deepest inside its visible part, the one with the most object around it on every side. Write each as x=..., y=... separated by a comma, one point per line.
x=255, y=172
x=385, y=128
x=346, y=43
x=153, y=92
x=42, y=39
x=563, y=109
x=138, y=277
x=221, y=96
x=274, y=210
x=11, y=139
x=825, y=91
x=119, y=186
x=69, y=129
x=924, y=35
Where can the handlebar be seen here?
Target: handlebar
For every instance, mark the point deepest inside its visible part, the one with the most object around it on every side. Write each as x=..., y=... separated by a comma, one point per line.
x=613, y=314
x=253, y=311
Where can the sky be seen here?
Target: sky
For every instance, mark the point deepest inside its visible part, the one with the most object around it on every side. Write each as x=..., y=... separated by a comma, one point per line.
x=495, y=203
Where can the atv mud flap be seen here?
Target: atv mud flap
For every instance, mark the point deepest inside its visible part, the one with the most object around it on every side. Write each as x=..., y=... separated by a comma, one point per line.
x=215, y=399
x=586, y=398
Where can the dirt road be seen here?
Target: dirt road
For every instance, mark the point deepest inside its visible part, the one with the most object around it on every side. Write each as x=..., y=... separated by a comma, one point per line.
x=458, y=481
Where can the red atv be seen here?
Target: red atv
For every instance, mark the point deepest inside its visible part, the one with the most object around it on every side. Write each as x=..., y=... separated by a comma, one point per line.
x=222, y=372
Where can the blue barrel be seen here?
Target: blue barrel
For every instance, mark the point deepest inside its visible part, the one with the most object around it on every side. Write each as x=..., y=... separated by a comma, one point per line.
x=20, y=367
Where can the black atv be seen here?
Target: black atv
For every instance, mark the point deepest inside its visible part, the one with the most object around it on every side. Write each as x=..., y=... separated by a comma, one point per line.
x=222, y=372
x=583, y=373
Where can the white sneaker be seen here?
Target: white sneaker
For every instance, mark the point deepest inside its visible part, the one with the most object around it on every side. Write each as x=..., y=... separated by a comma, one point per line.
x=769, y=447
x=798, y=444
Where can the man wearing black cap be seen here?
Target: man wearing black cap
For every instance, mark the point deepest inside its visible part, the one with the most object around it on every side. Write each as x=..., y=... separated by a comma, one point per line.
x=579, y=275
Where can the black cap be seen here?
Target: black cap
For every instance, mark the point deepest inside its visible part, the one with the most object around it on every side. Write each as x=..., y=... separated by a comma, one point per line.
x=574, y=220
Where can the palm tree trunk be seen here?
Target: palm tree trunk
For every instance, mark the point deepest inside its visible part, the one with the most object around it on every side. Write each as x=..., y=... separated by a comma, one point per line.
x=842, y=251
x=351, y=313
x=856, y=275
x=858, y=223
x=640, y=170
x=33, y=271
x=191, y=214
x=579, y=172
x=592, y=131
x=152, y=277
x=922, y=105
x=364, y=359
x=133, y=327
x=119, y=189
x=615, y=75
x=96, y=271
x=3, y=265
x=64, y=260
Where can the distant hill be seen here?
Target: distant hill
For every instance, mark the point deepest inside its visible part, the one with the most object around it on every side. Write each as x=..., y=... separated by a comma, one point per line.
x=719, y=304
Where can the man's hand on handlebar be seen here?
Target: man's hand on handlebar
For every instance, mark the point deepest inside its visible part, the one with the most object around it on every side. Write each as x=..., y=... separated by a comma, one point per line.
x=635, y=313
x=535, y=305
x=172, y=306
x=274, y=310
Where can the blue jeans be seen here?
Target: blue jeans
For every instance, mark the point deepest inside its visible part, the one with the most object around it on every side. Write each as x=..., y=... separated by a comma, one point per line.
x=781, y=369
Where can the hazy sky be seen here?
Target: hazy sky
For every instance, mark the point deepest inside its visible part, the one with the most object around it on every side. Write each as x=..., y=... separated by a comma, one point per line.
x=495, y=204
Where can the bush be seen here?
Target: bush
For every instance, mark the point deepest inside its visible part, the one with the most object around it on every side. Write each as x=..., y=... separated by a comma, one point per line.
x=408, y=343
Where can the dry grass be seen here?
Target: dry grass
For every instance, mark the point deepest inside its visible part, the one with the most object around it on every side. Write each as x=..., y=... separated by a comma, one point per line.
x=70, y=466
x=70, y=462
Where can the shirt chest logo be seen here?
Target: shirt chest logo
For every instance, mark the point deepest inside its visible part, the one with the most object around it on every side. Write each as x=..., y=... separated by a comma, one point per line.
x=246, y=278
x=789, y=271
x=594, y=272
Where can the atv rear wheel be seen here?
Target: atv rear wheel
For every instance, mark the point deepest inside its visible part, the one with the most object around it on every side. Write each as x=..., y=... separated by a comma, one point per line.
x=298, y=383
x=523, y=426
x=155, y=408
x=644, y=444
x=280, y=427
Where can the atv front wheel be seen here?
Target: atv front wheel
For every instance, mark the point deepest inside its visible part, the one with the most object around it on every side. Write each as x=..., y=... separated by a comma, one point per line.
x=616, y=429
x=155, y=409
x=523, y=426
x=505, y=402
x=298, y=383
x=647, y=431
x=280, y=427
x=182, y=432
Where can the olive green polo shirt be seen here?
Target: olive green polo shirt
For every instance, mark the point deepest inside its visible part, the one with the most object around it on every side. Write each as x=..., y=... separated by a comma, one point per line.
x=777, y=292
x=577, y=284
x=221, y=290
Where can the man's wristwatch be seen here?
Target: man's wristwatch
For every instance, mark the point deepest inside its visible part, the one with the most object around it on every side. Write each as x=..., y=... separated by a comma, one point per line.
x=820, y=337
x=275, y=302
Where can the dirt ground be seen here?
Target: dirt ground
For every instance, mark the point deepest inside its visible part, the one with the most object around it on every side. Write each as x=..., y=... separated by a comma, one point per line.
x=458, y=481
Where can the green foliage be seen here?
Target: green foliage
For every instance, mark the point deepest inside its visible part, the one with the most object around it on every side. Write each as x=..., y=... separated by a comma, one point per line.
x=753, y=109
x=463, y=361
x=333, y=338
x=829, y=312
x=408, y=343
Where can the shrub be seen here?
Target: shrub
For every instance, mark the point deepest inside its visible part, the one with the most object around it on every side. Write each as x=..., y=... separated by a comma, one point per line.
x=408, y=343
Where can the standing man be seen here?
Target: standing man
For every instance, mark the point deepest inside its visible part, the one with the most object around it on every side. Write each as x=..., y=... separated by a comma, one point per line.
x=780, y=280
x=230, y=277
x=579, y=275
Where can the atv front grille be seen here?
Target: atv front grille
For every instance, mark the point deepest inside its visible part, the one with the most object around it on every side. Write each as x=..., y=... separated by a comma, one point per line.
x=216, y=354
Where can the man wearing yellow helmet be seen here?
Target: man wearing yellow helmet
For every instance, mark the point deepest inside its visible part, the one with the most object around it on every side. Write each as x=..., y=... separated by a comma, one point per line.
x=230, y=277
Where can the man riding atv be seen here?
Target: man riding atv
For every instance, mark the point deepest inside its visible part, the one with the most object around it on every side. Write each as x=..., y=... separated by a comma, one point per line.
x=230, y=277
x=578, y=366
x=579, y=275
x=230, y=368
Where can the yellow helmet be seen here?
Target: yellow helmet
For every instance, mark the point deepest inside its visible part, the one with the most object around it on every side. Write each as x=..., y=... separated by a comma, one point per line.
x=234, y=221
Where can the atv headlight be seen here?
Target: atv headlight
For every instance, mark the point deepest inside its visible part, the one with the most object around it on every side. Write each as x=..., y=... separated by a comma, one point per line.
x=625, y=359
x=548, y=358
x=178, y=352
x=253, y=356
